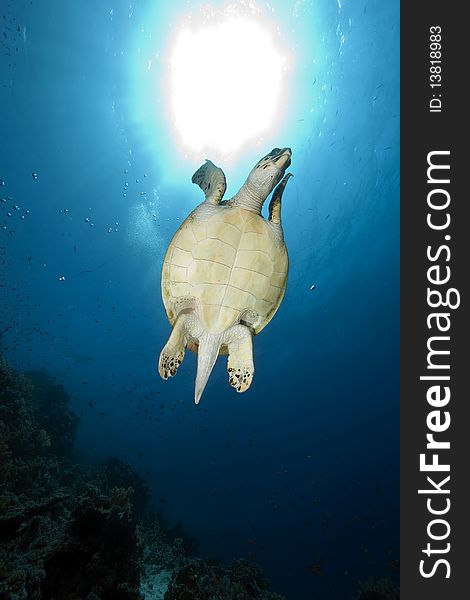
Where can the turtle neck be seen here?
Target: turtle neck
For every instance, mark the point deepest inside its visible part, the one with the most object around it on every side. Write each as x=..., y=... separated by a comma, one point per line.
x=248, y=198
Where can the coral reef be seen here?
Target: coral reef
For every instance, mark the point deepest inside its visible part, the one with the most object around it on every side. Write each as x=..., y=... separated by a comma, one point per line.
x=99, y=552
x=37, y=431
x=65, y=531
x=176, y=533
x=202, y=580
x=53, y=416
x=378, y=589
x=73, y=531
x=119, y=474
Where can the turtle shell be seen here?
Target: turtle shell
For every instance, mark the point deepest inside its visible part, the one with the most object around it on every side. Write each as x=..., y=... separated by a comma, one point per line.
x=230, y=264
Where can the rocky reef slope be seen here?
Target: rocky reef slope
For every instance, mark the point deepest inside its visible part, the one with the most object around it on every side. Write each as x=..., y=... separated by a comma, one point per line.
x=73, y=531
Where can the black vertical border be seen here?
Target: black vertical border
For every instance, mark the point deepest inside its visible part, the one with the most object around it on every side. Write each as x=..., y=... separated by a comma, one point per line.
x=422, y=132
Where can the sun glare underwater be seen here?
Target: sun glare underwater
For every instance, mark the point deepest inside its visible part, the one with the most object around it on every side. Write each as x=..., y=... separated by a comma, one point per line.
x=108, y=110
x=217, y=118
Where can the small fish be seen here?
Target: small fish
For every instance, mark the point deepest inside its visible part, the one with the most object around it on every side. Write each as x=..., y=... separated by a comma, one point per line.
x=394, y=565
x=316, y=568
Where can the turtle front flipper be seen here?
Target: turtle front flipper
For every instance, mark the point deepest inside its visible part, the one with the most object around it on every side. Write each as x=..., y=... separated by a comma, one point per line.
x=275, y=204
x=211, y=180
x=173, y=353
x=240, y=365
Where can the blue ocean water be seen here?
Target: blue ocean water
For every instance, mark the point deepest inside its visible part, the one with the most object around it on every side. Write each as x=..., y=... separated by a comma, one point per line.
x=301, y=472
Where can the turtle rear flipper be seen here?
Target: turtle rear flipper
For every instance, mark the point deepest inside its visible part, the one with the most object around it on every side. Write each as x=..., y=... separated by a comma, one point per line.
x=240, y=365
x=211, y=180
x=173, y=353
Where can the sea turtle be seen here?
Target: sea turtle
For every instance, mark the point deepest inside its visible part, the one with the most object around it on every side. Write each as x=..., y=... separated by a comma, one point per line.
x=225, y=272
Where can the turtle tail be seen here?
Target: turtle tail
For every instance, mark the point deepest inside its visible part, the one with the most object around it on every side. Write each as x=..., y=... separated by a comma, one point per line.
x=209, y=346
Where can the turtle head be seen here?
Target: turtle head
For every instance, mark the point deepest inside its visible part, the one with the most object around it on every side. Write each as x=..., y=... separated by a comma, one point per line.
x=268, y=172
